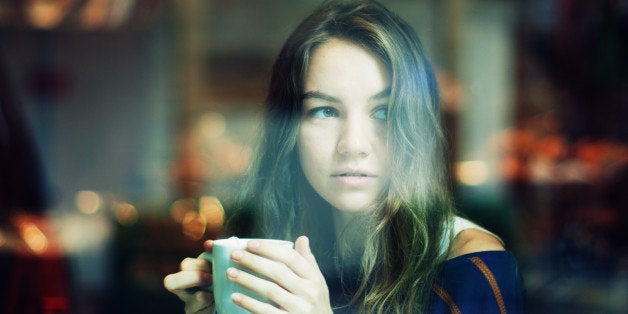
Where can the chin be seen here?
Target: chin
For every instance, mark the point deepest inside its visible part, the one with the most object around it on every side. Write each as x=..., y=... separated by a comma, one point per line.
x=353, y=209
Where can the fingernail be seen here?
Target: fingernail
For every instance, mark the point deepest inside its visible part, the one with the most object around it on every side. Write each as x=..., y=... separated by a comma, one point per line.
x=236, y=297
x=236, y=255
x=253, y=244
x=232, y=272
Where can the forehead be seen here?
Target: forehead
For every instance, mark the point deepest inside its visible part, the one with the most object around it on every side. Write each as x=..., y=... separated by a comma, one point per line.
x=339, y=64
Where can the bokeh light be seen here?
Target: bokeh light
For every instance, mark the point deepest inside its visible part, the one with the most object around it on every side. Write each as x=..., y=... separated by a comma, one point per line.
x=211, y=209
x=125, y=213
x=181, y=207
x=88, y=202
x=34, y=238
x=194, y=226
x=472, y=172
x=212, y=125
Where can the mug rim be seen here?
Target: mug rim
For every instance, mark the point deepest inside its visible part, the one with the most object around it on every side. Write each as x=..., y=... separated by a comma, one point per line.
x=244, y=241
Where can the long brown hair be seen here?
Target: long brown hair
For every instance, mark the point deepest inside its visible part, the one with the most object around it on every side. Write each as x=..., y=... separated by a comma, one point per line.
x=402, y=253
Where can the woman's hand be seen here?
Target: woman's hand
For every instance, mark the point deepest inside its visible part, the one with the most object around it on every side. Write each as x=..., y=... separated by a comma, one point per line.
x=296, y=286
x=195, y=273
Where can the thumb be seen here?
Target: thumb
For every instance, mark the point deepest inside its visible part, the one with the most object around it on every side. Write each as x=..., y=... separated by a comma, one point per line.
x=302, y=246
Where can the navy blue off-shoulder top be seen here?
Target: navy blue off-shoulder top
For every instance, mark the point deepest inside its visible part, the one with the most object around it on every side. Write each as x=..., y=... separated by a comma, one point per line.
x=480, y=282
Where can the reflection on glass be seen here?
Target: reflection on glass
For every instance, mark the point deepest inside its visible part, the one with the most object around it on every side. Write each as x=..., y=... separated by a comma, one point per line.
x=88, y=202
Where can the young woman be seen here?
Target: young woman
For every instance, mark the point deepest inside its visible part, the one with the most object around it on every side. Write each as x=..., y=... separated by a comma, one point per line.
x=352, y=157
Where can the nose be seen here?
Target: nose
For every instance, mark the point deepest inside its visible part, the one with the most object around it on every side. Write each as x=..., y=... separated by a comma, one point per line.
x=353, y=139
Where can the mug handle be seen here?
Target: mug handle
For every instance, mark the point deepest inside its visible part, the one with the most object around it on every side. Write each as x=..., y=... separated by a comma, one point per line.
x=207, y=256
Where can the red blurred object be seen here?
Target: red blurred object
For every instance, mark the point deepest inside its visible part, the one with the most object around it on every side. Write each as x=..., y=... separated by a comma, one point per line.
x=37, y=285
x=37, y=279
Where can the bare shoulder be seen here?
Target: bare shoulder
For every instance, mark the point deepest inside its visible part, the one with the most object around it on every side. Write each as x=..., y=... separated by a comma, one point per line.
x=474, y=240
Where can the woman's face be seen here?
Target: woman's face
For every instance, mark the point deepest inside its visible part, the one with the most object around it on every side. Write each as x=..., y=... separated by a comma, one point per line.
x=341, y=140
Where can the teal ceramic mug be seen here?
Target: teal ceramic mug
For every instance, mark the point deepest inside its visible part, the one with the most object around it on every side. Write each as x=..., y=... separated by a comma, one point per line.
x=220, y=258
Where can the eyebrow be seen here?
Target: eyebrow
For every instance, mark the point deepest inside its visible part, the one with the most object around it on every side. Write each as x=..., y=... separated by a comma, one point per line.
x=381, y=95
x=319, y=95
x=326, y=97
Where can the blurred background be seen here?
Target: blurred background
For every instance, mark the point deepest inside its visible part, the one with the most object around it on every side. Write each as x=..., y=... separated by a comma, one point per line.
x=124, y=124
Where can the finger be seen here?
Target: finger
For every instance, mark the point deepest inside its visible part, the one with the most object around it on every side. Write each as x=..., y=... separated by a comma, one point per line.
x=179, y=282
x=284, y=287
x=252, y=305
x=208, y=245
x=273, y=270
x=291, y=258
x=199, y=301
x=291, y=292
x=302, y=246
x=195, y=264
x=265, y=288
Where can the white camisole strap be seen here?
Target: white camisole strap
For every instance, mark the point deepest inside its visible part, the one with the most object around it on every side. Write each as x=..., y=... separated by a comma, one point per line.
x=458, y=225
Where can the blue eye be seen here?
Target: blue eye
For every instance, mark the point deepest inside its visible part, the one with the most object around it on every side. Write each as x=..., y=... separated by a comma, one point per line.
x=381, y=113
x=322, y=112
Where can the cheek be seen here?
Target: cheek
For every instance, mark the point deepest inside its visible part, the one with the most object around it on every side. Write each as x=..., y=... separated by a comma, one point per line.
x=315, y=148
x=309, y=151
x=384, y=153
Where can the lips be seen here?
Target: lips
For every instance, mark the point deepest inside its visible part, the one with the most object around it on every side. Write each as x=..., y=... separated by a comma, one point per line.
x=353, y=174
x=356, y=172
x=354, y=178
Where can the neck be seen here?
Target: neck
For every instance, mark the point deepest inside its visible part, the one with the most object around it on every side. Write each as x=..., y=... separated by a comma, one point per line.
x=349, y=231
x=341, y=221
